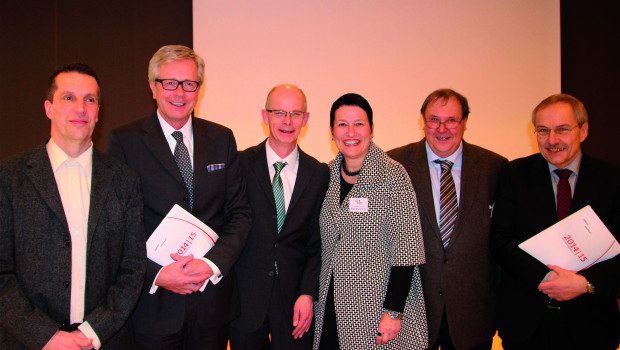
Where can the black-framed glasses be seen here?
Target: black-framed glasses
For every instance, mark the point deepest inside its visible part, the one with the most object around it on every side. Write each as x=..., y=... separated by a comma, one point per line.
x=435, y=123
x=172, y=84
x=560, y=130
x=282, y=114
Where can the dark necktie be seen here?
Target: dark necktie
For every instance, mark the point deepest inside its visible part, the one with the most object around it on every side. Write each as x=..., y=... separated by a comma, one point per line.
x=564, y=195
x=448, y=205
x=278, y=194
x=181, y=155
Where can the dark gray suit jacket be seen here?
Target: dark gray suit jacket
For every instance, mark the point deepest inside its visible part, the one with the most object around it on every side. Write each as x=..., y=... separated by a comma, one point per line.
x=462, y=276
x=297, y=248
x=219, y=202
x=35, y=252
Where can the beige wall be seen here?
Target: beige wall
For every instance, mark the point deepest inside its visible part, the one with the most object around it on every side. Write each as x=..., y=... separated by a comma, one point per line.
x=504, y=56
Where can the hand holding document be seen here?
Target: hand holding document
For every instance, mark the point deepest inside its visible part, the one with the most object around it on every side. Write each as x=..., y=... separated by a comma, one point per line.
x=575, y=243
x=179, y=233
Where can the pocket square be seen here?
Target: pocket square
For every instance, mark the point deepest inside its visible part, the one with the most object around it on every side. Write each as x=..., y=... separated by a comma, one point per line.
x=214, y=167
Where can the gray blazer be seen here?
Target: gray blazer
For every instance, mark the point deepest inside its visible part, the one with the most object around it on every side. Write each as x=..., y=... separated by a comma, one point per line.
x=462, y=276
x=35, y=252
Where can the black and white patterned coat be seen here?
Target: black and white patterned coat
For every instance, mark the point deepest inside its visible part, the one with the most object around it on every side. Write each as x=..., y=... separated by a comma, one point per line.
x=359, y=249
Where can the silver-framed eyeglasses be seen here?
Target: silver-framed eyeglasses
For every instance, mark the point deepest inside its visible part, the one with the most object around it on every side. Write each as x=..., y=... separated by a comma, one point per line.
x=435, y=123
x=282, y=114
x=560, y=130
x=173, y=84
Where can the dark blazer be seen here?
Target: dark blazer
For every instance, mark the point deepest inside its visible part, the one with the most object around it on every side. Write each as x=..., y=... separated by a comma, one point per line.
x=525, y=205
x=219, y=201
x=298, y=246
x=35, y=252
x=462, y=276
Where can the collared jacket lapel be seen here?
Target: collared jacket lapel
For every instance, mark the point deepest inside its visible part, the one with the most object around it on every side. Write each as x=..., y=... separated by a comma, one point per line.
x=156, y=142
x=101, y=178
x=41, y=175
x=470, y=182
x=423, y=186
x=539, y=181
x=304, y=174
x=261, y=172
x=204, y=147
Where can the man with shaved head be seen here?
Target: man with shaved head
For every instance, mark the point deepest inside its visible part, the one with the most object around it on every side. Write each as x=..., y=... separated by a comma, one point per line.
x=278, y=271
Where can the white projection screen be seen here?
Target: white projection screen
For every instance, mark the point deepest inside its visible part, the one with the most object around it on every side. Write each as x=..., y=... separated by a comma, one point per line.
x=504, y=56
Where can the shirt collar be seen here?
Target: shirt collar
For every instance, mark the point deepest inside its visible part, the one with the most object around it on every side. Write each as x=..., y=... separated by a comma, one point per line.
x=168, y=130
x=455, y=157
x=291, y=159
x=572, y=166
x=58, y=157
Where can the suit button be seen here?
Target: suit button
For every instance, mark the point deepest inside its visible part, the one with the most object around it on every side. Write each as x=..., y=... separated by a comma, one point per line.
x=441, y=293
x=270, y=273
x=67, y=242
x=185, y=199
x=66, y=284
x=277, y=245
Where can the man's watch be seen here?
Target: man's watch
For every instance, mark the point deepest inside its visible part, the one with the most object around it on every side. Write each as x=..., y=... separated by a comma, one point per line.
x=395, y=315
x=589, y=288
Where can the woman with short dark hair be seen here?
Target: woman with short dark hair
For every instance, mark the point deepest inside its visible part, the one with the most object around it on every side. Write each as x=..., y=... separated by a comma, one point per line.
x=370, y=293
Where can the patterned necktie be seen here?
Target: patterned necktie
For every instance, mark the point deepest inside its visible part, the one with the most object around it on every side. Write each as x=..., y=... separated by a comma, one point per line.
x=564, y=196
x=278, y=194
x=448, y=205
x=181, y=155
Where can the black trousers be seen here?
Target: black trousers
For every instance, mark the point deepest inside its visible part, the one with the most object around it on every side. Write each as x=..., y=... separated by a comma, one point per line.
x=329, y=335
x=192, y=335
x=275, y=333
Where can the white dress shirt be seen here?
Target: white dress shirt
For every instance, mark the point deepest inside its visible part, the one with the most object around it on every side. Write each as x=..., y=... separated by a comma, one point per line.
x=73, y=178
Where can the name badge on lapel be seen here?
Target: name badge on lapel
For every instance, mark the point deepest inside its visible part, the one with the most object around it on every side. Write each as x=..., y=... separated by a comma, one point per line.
x=358, y=205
